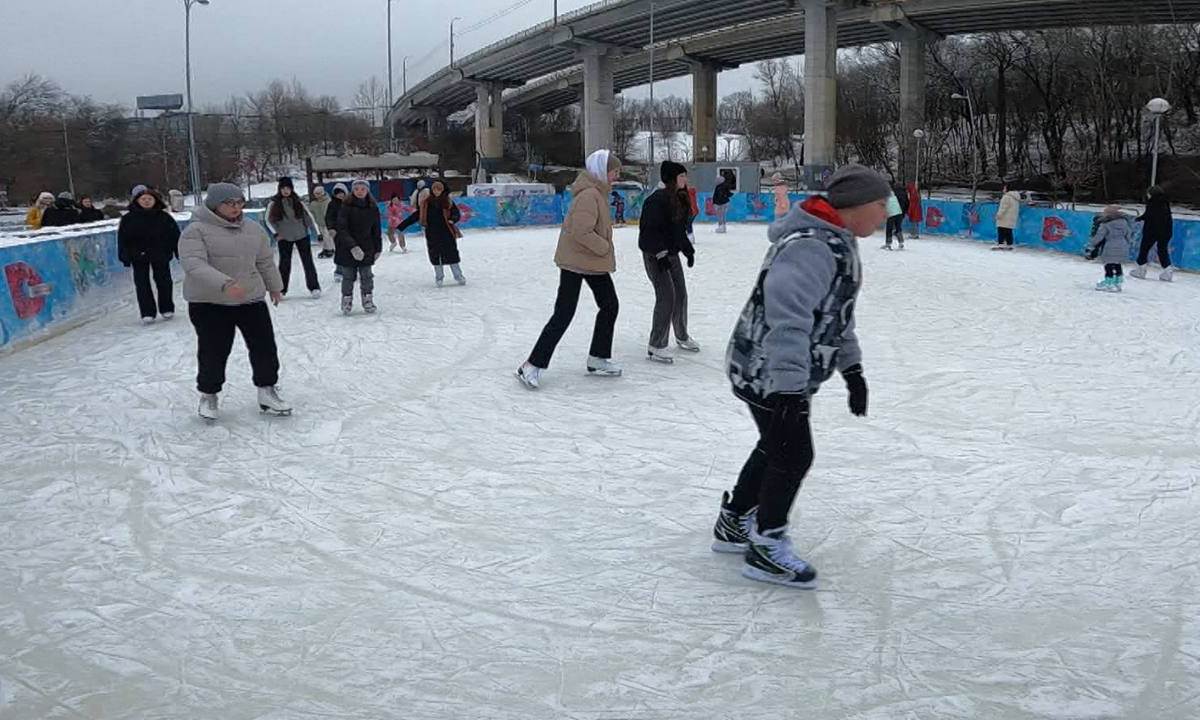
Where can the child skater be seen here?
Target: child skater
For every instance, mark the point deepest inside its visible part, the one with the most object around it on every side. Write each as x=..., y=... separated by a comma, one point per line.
x=1111, y=242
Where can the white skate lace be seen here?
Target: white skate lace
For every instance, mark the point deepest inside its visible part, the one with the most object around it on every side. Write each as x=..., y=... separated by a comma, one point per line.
x=781, y=554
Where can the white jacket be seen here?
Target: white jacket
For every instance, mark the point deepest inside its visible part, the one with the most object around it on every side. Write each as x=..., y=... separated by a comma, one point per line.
x=1009, y=211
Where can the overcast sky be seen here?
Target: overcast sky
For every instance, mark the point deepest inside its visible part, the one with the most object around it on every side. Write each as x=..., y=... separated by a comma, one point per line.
x=115, y=50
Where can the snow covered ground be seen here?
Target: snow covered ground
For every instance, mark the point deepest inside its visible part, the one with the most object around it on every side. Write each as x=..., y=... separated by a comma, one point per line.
x=1011, y=534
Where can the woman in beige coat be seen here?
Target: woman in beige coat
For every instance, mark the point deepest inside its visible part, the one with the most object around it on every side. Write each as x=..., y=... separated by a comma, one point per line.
x=585, y=254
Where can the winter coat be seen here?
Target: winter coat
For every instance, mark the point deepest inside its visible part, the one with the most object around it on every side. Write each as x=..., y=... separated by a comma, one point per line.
x=358, y=225
x=290, y=226
x=33, y=218
x=1158, y=222
x=441, y=232
x=585, y=243
x=331, y=213
x=901, y=194
x=216, y=253
x=60, y=214
x=798, y=326
x=395, y=214
x=147, y=235
x=659, y=233
x=722, y=194
x=1009, y=211
x=90, y=215
x=782, y=202
x=1112, y=240
x=319, y=208
x=111, y=211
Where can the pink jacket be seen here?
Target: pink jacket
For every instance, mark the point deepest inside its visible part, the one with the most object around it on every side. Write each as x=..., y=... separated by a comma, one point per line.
x=395, y=214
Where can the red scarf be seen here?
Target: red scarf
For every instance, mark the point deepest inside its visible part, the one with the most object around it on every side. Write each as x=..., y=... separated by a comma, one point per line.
x=819, y=207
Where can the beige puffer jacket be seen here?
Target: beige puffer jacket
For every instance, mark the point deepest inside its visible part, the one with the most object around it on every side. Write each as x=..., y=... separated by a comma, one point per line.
x=216, y=252
x=1009, y=211
x=585, y=242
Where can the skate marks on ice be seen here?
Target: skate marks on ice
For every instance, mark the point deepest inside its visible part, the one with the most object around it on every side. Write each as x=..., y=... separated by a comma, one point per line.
x=1010, y=533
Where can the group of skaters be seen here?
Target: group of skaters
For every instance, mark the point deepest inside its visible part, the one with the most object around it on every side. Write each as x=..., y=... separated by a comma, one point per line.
x=63, y=210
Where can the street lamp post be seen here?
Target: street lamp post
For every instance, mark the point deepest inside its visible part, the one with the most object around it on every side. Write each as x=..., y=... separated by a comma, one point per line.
x=919, y=135
x=452, y=21
x=387, y=115
x=974, y=144
x=650, y=165
x=404, y=75
x=1156, y=107
x=187, y=51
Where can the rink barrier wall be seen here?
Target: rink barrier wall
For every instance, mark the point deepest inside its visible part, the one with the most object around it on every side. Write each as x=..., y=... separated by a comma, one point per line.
x=68, y=278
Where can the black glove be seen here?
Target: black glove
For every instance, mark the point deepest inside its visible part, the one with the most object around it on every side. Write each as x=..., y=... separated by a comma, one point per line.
x=664, y=262
x=857, y=385
x=691, y=259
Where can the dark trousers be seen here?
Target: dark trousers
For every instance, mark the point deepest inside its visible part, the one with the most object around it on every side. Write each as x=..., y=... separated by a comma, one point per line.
x=670, y=300
x=306, y=259
x=1164, y=252
x=895, y=226
x=772, y=474
x=162, y=282
x=569, y=286
x=215, y=325
x=1113, y=270
x=1004, y=236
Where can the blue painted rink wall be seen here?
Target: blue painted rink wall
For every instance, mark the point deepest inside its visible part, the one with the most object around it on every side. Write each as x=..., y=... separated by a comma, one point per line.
x=72, y=276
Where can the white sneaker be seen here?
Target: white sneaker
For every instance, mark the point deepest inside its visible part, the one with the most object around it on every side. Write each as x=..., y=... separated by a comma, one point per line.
x=208, y=407
x=316, y=294
x=147, y=321
x=168, y=315
x=661, y=355
x=690, y=345
x=270, y=402
x=530, y=376
x=1139, y=272
x=603, y=367
x=1167, y=275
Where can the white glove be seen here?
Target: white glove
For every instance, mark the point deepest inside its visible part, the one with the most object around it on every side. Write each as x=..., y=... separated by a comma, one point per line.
x=357, y=253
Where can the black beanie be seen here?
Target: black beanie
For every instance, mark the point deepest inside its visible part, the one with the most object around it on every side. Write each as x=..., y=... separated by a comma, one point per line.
x=286, y=181
x=669, y=171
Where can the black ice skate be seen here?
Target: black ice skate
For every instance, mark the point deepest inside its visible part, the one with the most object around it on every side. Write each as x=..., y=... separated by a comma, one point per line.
x=770, y=558
x=731, y=534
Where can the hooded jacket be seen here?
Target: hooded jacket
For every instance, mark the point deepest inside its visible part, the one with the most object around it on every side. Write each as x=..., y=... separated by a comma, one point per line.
x=585, y=243
x=216, y=252
x=798, y=326
x=1009, y=211
x=1112, y=240
x=147, y=235
x=318, y=206
x=722, y=194
x=358, y=225
x=659, y=232
x=62, y=213
x=1158, y=222
x=289, y=225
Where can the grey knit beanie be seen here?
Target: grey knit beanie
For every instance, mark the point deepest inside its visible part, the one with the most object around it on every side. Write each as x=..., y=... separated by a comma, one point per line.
x=362, y=182
x=853, y=185
x=340, y=188
x=219, y=193
x=64, y=195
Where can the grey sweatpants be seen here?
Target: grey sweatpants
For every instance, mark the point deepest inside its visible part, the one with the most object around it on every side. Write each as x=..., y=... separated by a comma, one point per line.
x=670, y=300
x=350, y=274
x=722, y=211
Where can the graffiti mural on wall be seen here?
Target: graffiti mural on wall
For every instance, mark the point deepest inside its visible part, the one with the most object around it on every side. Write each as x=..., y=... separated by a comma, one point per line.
x=27, y=290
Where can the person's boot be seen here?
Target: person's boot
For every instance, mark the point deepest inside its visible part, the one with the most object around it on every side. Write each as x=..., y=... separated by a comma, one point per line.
x=770, y=558
x=731, y=532
x=1139, y=272
x=270, y=402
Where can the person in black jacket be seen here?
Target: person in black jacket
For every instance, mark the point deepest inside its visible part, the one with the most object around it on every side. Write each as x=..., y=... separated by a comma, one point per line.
x=1157, y=230
x=895, y=223
x=88, y=212
x=62, y=213
x=331, y=218
x=147, y=239
x=439, y=216
x=662, y=236
x=722, y=194
x=359, y=244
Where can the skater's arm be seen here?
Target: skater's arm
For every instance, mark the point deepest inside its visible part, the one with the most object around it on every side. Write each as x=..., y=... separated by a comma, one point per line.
x=172, y=228
x=309, y=220
x=265, y=262
x=124, y=243
x=409, y=221
x=193, y=257
x=797, y=280
x=267, y=218
x=851, y=353
x=377, y=234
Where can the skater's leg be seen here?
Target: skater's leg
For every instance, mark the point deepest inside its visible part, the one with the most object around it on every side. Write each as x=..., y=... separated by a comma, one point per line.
x=145, y=295
x=789, y=456
x=749, y=483
x=605, y=294
x=664, y=301
x=456, y=271
x=310, y=268
x=391, y=236
x=366, y=276
x=254, y=322
x=439, y=273
x=679, y=312
x=349, y=275
x=1164, y=252
x=890, y=230
x=569, y=284
x=1148, y=241
x=1111, y=270
x=285, y=262
x=214, y=326
x=164, y=285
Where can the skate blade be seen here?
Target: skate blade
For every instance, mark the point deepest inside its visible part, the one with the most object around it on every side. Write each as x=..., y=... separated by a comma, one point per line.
x=754, y=573
x=662, y=360
x=277, y=413
x=604, y=373
x=724, y=546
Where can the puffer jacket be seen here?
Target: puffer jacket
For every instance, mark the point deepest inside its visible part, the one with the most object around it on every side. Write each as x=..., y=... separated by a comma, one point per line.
x=1009, y=211
x=289, y=225
x=60, y=214
x=1159, y=224
x=797, y=328
x=1112, y=241
x=216, y=252
x=585, y=243
x=358, y=225
x=317, y=207
x=659, y=232
x=147, y=235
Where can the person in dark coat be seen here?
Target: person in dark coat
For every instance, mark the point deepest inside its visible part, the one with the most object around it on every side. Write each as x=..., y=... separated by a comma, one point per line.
x=147, y=239
x=88, y=212
x=62, y=213
x=1157, y=230
x=340, y=193
x=662, y=236
x=359, y=244
x=439, y=216
x=722, y=195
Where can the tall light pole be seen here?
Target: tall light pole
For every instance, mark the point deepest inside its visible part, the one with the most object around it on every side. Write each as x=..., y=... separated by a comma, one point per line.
x=974, y=144
x=67, y=147
x=1156, y=107
x=919, y=134
x=187, y=51
x=387, y=115
x=452, y=21
x=404, y=75
x=650, y=172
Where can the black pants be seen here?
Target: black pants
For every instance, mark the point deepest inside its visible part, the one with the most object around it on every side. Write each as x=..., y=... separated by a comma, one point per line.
x=895, y=226
x=772, y=474
x=1164, y=252
x=1113, y=270
x=569, y=286
x=162, y=282
x=215, y=325
x=1004, y=236
x=306, y=259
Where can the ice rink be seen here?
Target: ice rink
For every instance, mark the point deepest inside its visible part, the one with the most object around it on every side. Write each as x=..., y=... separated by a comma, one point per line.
x=1014, y=532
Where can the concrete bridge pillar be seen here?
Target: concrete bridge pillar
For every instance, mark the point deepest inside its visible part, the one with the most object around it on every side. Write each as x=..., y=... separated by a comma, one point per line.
x=489, y=120
x=820, y=83
x=912, y=101
x=435, y=122
x=704, y=112
x=597, y=99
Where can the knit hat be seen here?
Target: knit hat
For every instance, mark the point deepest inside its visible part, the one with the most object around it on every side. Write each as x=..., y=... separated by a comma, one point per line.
x=319, y=191
x=286, y=181
x=64, y=195
x=362, y=182
x=221, y=192
x=137, y=190
x=853, y=185
x=670, y=171
x=340, y=188
x=420, y=184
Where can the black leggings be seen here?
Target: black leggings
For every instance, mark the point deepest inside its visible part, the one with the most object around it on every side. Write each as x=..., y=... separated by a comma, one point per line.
x=569, y=286
x=895, y=226
x=1164, y=252
x=772, y=474
x=1113, y=270
x=1004, y=236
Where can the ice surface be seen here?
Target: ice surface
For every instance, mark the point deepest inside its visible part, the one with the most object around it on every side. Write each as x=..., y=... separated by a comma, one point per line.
x=1011, y=534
